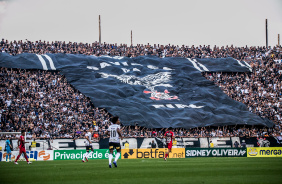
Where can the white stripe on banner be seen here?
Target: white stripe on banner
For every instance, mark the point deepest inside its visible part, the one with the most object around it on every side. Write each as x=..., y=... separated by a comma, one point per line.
x=240, y=63
x=50, y=61
x=42, y=62
x=203, y=66
x=248, y=66
x=195, y=65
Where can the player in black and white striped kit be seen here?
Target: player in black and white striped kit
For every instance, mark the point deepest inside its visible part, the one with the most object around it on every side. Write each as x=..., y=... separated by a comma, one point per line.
x=114, y=141
x=88, y=143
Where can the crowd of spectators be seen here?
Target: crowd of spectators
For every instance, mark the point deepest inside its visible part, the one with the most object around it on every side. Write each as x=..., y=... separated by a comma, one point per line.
x=47, y=106
x=44, y=104
x=260, y=90
x=205, y=51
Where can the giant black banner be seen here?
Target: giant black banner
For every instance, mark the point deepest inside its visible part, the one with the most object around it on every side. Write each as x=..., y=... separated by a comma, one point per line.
x=153, y=92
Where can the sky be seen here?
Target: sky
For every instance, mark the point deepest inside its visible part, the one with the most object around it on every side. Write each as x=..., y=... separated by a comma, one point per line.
x=175, y=22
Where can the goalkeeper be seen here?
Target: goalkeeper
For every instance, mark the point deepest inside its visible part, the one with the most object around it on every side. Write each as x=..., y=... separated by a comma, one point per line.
x=8, y=149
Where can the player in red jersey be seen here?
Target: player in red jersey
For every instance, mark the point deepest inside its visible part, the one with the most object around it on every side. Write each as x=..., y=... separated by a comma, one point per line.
x=169, y=136
x=21, y=143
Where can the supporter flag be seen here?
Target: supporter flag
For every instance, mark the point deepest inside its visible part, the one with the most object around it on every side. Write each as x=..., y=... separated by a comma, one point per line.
x=153, y=92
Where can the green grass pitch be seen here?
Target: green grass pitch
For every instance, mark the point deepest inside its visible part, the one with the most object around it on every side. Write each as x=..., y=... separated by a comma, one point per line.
x=146, y=171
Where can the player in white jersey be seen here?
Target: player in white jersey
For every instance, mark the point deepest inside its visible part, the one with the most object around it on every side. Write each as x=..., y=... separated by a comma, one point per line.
x=88, y=144
x=114, y=141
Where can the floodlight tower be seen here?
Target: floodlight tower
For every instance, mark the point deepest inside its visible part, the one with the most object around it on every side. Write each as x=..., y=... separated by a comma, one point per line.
x=266, y=33
x=99, y=30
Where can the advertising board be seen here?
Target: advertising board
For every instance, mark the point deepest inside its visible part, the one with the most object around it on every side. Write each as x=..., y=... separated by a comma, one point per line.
x=264, y=152
x=215, y=152
x=151, y=153
x=78, y=154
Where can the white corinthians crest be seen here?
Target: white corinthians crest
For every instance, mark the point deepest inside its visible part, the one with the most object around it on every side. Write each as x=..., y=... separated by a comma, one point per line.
x=150, y=82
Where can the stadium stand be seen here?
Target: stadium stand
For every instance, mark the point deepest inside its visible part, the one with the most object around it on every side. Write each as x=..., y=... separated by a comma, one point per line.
x=47, y=106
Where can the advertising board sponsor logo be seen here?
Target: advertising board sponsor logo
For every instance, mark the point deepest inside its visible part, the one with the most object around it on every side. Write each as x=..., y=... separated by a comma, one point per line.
x=265, y=152
x=215, y=152
x=32, y=155
x=152, y=153
x=252, y=152
x=128, y=153
x=12, y=156
x=3, y=155
x=270, y=152
x=78, y=154
x=45, y=155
